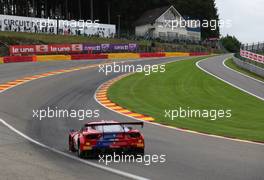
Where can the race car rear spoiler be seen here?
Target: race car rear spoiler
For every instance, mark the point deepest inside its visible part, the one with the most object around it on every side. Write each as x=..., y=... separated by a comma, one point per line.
x=115, y=123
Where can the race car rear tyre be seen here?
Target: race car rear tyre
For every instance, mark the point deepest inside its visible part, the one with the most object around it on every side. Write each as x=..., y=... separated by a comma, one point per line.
x=71, y=147
x=79, y=152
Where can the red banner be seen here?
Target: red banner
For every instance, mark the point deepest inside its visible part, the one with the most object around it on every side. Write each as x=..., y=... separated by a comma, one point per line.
x=19, y=49
x=252, y=56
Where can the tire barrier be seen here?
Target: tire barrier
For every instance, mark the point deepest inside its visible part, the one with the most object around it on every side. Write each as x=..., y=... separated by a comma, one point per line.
x=154, y=54
x=88, y=56
x=44, y=58
x=123, y=56
x=176, y=54
x=16, y=59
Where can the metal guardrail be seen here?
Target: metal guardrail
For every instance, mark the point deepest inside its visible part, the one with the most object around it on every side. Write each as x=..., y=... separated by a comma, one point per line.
x=254, y=47
x=249, y=66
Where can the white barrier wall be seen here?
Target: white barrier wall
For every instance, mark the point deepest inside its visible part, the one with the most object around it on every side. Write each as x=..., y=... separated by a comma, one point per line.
x=49, y=26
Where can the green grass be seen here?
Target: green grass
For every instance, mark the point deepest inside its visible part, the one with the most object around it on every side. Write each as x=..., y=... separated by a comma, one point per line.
x=184, y=85
x=232, y=65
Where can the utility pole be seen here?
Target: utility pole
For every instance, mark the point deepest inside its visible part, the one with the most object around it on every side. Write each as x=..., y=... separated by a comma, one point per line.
x=92, y=18
x=80, y=9
x=109, y=12
x=46, y=9
x=119, y=25
x=58, y=24
x=66, y=10
x=33, y=7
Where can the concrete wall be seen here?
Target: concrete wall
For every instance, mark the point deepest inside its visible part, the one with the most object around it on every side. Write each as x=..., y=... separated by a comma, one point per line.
x=250, y=67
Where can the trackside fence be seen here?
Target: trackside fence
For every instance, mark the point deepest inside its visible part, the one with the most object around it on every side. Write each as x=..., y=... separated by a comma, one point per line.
x=254, y=47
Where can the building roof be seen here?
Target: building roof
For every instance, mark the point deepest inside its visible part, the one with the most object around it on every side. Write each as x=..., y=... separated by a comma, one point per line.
x=150, y=16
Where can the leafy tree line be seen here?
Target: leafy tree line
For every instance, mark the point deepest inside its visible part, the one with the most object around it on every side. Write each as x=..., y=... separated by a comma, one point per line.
x=231, y=43
x=129, y=10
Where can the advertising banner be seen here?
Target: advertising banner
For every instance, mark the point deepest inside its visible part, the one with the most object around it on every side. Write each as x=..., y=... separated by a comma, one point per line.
x=22, y=49
x=56, y=26
x=95, y=48
x=45, y=49
x=252, y=56
x=71, y=48
x=103, y=48
x=123, y=47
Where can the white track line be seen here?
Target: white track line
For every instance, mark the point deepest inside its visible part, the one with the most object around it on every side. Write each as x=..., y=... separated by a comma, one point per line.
x=179, y=129
x=105, y=168
x=224, y=64
x=197, y=64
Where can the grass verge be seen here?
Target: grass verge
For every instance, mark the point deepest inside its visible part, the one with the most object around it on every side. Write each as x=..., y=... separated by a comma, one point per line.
x=232, y=65
x=184, y=85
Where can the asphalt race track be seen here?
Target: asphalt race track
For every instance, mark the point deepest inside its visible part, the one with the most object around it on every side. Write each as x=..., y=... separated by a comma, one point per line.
x=188, y=156
x=216, y=67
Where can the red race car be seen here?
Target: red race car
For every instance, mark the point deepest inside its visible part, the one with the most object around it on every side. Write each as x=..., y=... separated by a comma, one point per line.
x=105, y=137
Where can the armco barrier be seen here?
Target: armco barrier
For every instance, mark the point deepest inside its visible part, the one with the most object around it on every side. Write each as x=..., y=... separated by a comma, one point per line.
x=88, y=56
x=123, y=56
x=199, y=53
x=14, y=59
x=52, y=58
x=248, y=66
x=175, y=54
x=146, y=55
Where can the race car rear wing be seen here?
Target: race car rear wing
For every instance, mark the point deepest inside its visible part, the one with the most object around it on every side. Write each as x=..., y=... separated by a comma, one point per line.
x=115, y=123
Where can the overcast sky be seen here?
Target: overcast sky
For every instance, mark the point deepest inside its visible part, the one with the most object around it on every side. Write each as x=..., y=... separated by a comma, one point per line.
x=247, y=19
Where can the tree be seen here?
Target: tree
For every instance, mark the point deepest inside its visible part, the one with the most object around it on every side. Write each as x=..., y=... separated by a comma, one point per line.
x=231, y=43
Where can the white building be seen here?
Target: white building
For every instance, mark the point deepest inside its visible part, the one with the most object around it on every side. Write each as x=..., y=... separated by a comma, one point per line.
x=166, y=23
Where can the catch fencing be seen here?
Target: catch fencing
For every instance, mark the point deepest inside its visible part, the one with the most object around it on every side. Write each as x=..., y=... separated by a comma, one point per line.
x=254, y=47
